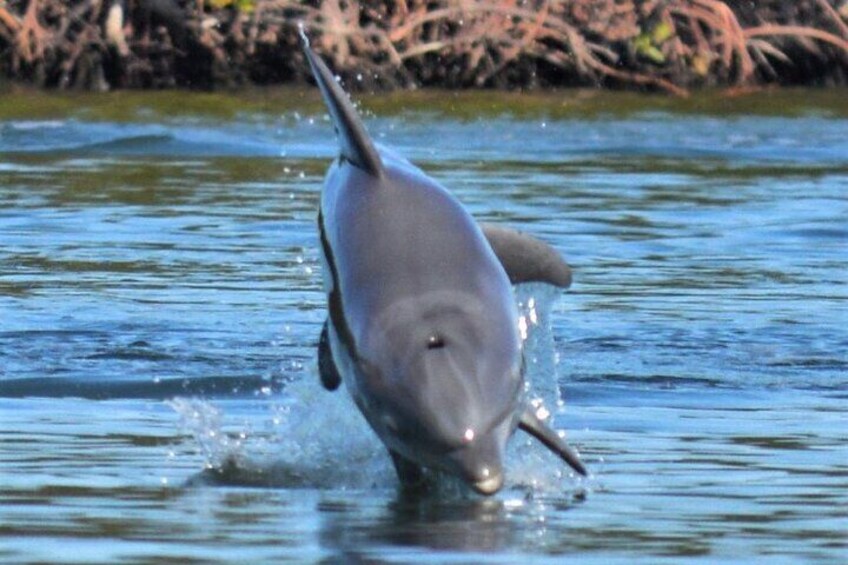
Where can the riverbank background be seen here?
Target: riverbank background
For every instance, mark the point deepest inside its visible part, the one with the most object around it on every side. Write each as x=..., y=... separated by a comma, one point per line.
x=667, y=45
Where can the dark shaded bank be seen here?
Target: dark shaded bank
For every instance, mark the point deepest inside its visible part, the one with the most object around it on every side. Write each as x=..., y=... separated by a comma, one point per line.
x=668, y=45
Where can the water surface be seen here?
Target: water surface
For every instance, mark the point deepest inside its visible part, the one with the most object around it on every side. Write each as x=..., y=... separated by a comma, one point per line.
x=160, y=303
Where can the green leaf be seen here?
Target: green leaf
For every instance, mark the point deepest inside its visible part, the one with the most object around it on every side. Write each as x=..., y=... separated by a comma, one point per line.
x=645, y=48
x=662, y=32
x=243, y=5
x=654, y=55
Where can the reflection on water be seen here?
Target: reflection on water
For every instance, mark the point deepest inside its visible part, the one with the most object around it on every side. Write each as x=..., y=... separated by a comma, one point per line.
x=161, y=253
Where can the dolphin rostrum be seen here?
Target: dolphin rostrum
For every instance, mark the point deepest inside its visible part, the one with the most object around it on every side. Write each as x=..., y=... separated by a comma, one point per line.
x=422, y=324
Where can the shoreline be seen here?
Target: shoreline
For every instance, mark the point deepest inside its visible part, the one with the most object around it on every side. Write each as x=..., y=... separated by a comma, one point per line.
x=281, y=103
x=671, y=46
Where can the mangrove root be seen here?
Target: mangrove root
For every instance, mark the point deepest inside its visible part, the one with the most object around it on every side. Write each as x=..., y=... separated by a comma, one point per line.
x=668, y=45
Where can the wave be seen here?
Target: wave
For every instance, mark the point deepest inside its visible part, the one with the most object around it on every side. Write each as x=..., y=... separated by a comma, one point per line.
x=74, y=138
x=157, y=389
x=737, y=142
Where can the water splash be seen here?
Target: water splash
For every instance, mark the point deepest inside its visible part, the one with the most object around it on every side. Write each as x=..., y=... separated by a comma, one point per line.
x=311, y=438
x=535, y=302
x=203, y=421
x=531, y=466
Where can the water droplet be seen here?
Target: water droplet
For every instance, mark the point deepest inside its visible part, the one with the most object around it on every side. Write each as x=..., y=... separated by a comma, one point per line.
x=513, y=503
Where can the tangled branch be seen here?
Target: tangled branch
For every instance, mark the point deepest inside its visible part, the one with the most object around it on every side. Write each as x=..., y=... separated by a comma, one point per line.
x=668, y=45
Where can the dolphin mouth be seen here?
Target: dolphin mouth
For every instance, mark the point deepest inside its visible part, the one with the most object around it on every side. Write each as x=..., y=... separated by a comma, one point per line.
x=489, y=485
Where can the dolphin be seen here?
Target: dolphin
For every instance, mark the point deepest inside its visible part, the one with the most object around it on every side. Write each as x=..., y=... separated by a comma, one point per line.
x=422, y=325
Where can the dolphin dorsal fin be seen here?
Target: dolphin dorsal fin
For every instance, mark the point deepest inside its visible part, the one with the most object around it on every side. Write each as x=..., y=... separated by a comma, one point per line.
x=356, y=144
x=525, y=258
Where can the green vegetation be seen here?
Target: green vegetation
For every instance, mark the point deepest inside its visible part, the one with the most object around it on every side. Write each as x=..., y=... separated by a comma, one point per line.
x=244, y=5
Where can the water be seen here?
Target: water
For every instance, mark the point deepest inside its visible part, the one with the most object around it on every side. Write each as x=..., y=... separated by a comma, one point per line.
x=160, y=303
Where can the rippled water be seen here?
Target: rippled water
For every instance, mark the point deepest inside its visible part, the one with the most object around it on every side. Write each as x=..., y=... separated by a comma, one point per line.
x=160, y=304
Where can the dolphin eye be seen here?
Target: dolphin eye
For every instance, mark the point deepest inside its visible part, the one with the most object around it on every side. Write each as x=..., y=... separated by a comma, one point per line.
x=435, y=342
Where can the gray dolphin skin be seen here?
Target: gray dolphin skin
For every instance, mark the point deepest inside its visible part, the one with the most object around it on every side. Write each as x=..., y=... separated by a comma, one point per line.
x=423, y=325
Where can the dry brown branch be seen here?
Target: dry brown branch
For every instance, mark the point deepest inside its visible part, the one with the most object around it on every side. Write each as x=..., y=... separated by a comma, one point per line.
x=770, y=30
x=636, y=78
x=10, y=26
x=670, y=45
x=725, y=39
x=834, y=16
x=31, y=37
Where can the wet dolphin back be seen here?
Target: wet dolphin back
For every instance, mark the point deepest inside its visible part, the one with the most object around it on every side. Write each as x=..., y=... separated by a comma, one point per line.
x=399, y=240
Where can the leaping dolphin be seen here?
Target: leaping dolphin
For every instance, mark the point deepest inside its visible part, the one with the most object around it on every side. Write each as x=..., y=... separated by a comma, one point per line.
x=422, y=324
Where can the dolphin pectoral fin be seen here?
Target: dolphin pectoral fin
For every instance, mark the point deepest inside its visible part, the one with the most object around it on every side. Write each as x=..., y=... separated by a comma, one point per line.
x=411, y=475
x=549, y=438
x=330, y=377
x=525, y=258
x=356, y=144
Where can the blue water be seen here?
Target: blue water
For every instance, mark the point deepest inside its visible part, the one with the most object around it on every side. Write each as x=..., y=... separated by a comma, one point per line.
x=160, y=303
